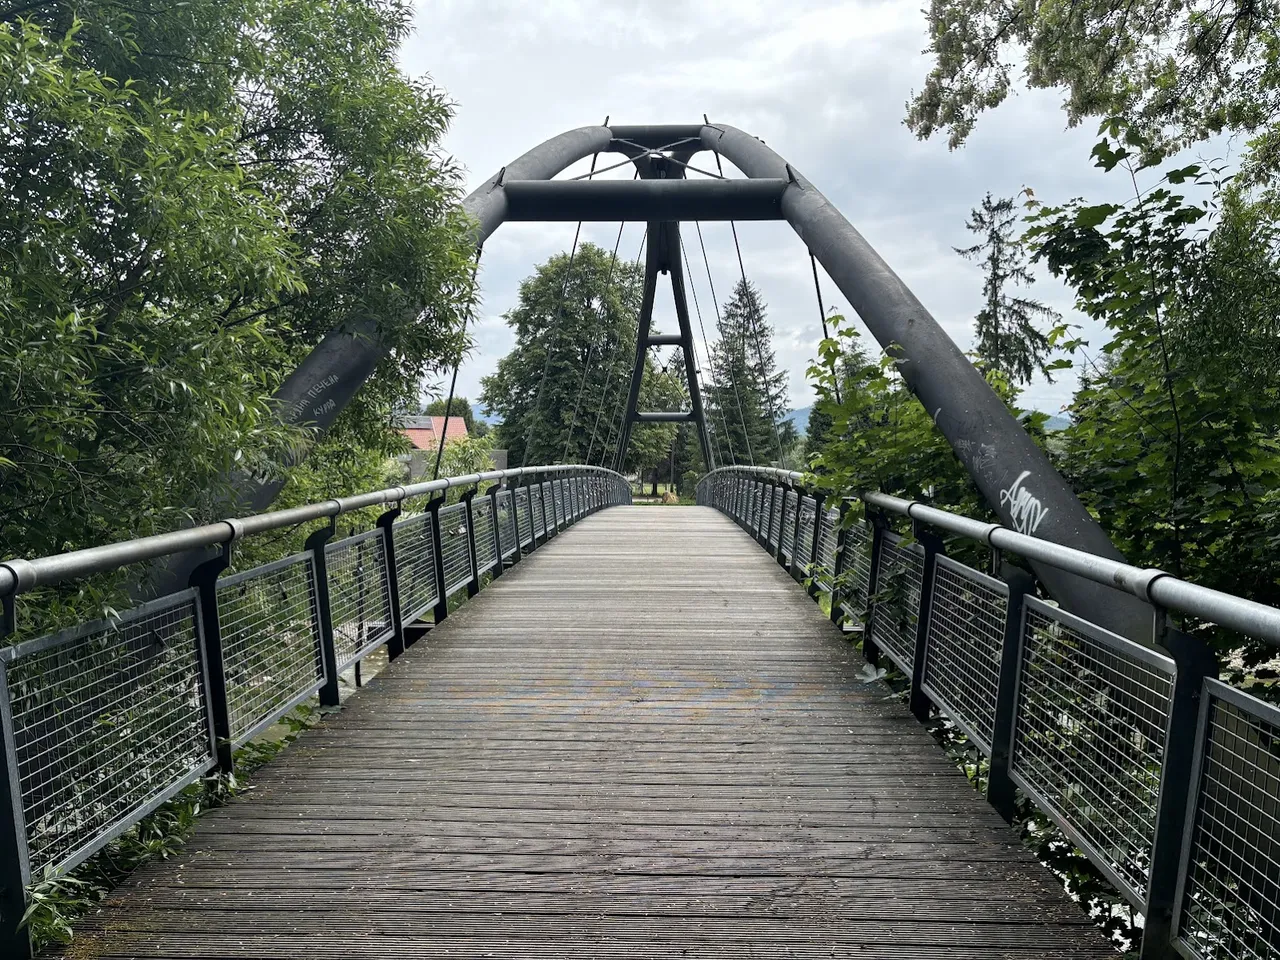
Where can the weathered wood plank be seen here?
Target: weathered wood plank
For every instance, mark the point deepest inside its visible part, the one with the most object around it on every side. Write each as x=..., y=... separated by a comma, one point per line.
x=645, y=741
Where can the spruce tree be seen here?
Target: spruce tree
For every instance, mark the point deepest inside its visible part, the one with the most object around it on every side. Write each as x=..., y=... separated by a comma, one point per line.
x=747, y=392
x=1008, y=338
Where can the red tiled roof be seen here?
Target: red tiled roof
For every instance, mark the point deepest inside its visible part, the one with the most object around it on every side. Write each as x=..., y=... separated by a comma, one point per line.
x=424, y=434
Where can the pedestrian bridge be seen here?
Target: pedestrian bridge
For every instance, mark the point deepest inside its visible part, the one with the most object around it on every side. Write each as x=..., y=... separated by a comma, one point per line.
x=642, y=738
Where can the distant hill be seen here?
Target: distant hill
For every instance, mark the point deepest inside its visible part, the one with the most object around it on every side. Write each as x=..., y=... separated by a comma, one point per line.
x=800, y=418
x=1057, y=422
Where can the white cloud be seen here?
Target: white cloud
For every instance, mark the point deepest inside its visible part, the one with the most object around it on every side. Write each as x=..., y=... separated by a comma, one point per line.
x=824, y=83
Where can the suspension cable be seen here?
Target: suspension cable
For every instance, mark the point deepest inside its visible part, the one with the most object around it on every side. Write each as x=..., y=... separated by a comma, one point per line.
x=613, y=362
x=536, y=413
x=733, y=378
x=582, y=386
x=756, y=324
x=453, y=382
x=706, y=348
x=822, y=314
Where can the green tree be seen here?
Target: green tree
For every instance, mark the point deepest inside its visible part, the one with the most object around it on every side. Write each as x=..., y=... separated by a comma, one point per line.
x=1177, y=71
x=1175, y=440
x=1008, y=339
x=569, y=320
x=746, y=392
x=192, y=197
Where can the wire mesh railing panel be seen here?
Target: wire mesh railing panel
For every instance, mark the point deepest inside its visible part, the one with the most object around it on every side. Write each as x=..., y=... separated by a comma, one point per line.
x=1089, y=737
x=270, y=629
x=896, y=605
x=359, y=595
x=548, y=500
x=522, y=515
x=486, y=546
x=415, y=565
x=507, y=523
x=539, y=521
x=808, y=513
x=455, y=549
x=775, y=516
x=857, y=558
x=558, y=499
x=1230, y=902
x=827, y=537
x=575, y=508
x=788, y=523
x=108, y=720
x=964, y=641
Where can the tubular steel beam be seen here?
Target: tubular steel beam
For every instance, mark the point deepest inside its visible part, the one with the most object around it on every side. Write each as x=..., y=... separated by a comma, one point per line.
x=1013, y=474
x=676, y=199
x=665, y=416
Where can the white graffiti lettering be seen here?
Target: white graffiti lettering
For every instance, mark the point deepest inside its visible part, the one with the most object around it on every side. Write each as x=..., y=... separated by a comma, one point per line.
x=1025, y=510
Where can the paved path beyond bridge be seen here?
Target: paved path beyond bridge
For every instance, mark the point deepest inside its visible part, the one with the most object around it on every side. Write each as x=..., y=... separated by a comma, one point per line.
x=644, y=741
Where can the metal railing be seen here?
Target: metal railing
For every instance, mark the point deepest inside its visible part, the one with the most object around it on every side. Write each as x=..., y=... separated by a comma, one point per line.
x=1165, y=777
x=102, y=723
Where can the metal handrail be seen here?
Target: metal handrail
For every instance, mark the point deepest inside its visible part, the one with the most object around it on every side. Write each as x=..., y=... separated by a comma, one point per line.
x=18, y=575
x=1157, y=587
x=103, y=722
x=1161, y=775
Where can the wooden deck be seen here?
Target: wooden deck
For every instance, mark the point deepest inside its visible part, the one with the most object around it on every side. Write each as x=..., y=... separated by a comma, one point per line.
x=644, y=741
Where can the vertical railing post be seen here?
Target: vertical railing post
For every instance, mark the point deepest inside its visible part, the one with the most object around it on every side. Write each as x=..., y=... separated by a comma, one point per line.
x=879, y=525
x=15, y=866
x=386, y=523
x=473, y=585
x=837, y=568
x=492, y=494
x=1195, y=661
x=204, y=579
x=932, y=544
x=528, y=509
x=781, y=492
x=818, y=511
x=328, y=651
x=441, y=609
x=1001, y=793
x=793, y=567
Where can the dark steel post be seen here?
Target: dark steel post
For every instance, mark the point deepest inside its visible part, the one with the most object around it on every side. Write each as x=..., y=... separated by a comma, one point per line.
x=441, y=609
x=533, y=529
x=782, y=491
x=837, y=601
x=1195, y=661
x=920, y=705
x=492, y=494
x=204, y=579
x=879, y=524
x=386, y=523
x=328, y=651
x=15, y=867
x=1001, y=793
x=473, y=585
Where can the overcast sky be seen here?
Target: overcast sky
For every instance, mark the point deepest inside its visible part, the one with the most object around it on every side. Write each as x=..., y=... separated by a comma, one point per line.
x=824, y=83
